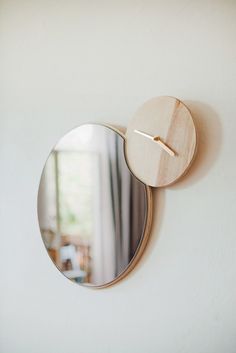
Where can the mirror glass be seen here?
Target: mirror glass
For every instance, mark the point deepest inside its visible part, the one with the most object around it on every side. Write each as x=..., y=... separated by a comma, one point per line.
x=92, y=211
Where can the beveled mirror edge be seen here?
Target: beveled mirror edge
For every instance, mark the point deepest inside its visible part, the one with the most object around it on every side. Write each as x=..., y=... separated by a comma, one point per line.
x=148, y=223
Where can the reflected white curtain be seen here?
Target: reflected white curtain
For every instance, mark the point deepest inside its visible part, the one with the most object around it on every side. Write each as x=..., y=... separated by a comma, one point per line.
x=121, y=211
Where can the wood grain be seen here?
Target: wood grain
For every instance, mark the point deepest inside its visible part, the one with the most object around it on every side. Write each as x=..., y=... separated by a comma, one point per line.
x=169, y=119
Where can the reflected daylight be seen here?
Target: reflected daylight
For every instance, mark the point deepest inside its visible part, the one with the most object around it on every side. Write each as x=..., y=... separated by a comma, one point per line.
x=92, y=211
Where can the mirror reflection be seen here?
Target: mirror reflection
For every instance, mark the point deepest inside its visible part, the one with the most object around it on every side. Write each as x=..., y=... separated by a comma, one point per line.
x=92, y=211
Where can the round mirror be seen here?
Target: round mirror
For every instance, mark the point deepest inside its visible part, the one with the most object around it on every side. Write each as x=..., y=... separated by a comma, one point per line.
x=94, y=215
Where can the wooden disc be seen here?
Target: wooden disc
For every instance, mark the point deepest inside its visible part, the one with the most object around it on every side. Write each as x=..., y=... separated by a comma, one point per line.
x=160, y=141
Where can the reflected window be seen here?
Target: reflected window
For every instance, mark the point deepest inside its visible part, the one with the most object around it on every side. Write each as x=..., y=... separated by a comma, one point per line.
x=70, y=226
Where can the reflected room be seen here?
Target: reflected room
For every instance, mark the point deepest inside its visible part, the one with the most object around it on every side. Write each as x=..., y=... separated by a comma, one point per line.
x=92, y=211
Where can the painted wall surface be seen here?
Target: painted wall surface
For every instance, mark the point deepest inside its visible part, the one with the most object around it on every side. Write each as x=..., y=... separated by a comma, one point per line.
x=63, y=63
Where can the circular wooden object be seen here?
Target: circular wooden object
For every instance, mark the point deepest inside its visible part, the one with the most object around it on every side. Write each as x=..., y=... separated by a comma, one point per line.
x=118, y=207
x=160, y=141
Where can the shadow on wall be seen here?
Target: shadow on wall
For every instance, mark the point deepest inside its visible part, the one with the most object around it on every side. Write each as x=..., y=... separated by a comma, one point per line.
x=209, y=135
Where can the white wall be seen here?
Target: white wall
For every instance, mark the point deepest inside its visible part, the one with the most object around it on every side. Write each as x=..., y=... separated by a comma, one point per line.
x=67, y=62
